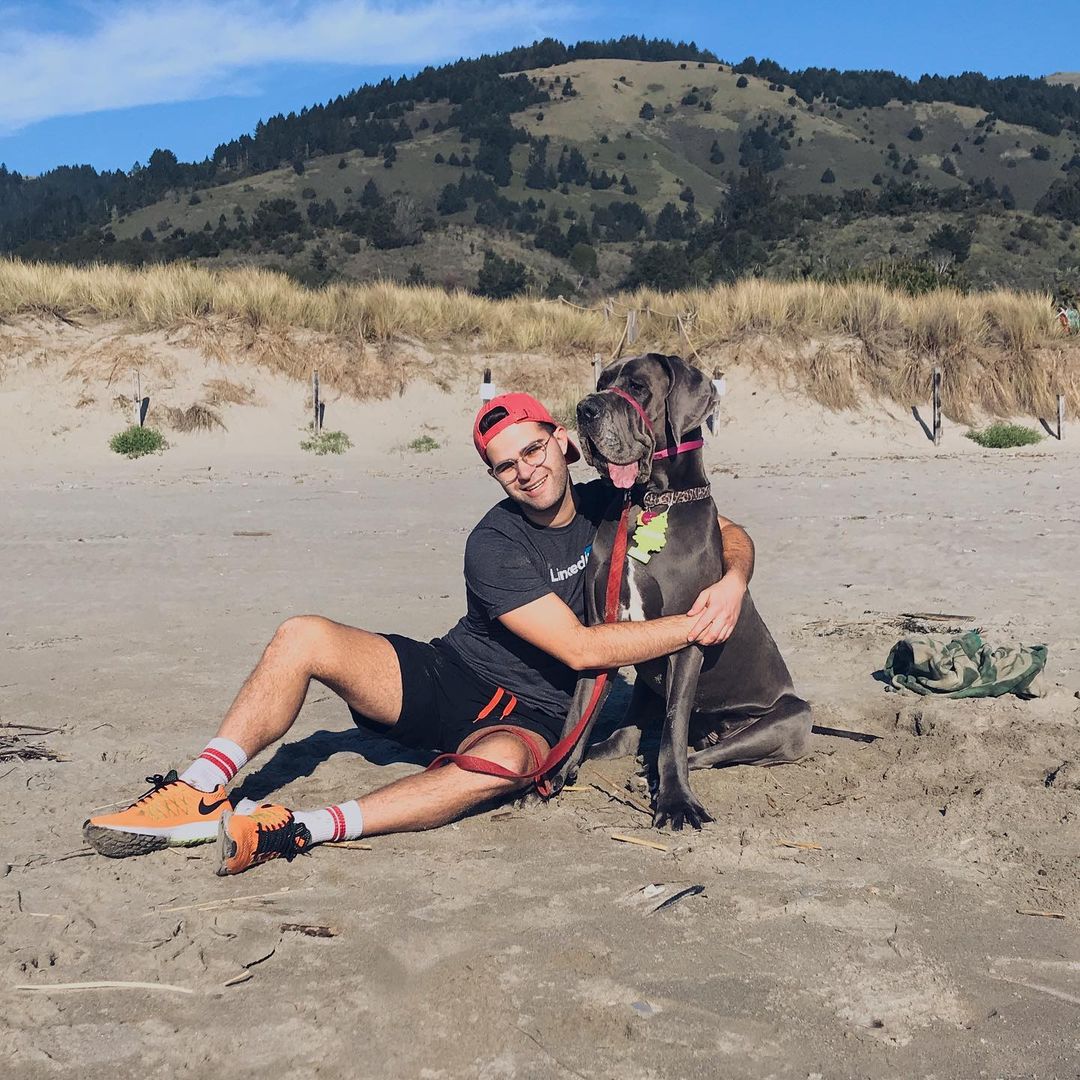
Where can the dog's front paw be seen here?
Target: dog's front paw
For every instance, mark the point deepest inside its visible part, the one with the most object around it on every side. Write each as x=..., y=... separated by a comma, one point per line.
x=555, y=784
x=565, y=774
x=679, y=809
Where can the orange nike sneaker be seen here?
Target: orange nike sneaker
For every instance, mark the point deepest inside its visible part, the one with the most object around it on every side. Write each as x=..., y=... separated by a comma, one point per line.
x=268, y=832
x=170, y=814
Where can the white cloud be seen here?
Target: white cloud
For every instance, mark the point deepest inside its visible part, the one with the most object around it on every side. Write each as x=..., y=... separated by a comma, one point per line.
x=137, y=53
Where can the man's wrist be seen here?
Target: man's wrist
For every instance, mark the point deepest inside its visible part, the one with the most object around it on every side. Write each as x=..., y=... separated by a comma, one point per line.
x=736, y=575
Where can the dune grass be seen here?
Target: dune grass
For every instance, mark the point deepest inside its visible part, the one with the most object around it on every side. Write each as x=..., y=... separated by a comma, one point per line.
x=1000, y=351
x=1004, y=436
x=327, y=442
x=137, y=441
x=198, y=416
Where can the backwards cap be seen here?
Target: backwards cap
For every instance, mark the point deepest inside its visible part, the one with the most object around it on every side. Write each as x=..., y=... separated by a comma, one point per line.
x=518, y=407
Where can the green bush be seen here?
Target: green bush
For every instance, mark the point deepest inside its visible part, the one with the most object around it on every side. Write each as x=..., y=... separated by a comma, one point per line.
x=1001, y=436
x=327, y=442
x=423, y=444
x=137, y=441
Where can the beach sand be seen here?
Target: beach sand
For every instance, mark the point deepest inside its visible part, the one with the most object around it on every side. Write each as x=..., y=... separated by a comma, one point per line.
x=861, y=910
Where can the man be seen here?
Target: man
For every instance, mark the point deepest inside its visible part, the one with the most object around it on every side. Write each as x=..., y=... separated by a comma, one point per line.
x=510, y=664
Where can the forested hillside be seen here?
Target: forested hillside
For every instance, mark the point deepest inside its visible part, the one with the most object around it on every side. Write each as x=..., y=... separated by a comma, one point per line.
x=575, y=169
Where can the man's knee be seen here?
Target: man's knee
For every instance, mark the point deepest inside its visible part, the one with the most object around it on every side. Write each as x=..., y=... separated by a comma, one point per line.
x=302, y=637
x=513, y=753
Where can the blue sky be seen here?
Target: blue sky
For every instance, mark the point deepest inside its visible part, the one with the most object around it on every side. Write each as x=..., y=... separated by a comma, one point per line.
x=104, y=82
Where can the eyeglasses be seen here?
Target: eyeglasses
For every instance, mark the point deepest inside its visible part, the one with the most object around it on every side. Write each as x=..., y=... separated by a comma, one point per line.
x=533, y=455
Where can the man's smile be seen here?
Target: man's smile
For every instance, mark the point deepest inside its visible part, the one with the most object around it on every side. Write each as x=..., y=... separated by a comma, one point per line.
x=533, y=485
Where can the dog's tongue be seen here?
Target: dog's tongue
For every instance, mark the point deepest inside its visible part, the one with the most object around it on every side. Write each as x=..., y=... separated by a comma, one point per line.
x=623, y=476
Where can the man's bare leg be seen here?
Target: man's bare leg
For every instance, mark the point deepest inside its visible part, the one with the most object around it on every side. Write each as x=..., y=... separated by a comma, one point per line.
x=360, y=667
x=422, y=801
x=429, y=799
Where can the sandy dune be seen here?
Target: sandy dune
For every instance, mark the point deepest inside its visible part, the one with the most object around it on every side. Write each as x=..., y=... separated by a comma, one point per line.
x=137, y=594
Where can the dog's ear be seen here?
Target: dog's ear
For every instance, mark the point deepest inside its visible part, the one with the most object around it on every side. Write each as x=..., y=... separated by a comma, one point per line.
x=691, y=397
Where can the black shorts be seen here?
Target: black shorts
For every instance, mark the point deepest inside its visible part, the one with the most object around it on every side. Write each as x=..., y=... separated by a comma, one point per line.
x=443, y=702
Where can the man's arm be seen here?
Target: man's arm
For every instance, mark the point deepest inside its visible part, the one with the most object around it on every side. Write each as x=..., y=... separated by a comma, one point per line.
x=738, y=550
x=717, y=608
x=549, y=624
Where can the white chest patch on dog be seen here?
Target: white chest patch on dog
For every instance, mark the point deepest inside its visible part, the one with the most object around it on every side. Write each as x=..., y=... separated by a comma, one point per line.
x=633, y=610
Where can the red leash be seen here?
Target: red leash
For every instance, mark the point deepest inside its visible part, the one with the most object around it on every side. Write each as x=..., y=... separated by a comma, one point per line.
x=542, y=767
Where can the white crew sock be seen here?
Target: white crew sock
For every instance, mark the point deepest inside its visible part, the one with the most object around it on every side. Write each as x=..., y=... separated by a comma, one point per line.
x=216, y=765
x=341, y=822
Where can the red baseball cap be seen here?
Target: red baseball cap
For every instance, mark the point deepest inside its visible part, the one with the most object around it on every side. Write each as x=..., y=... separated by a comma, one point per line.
x=518, y=407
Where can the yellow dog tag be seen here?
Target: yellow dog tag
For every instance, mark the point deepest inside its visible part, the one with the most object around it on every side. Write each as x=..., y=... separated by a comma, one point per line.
x=650, y=536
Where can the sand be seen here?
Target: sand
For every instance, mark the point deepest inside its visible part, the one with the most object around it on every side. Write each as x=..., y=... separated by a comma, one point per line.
x=859, y=915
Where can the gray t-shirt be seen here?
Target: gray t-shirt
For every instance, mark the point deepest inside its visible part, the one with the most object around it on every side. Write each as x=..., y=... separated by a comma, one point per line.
x=509, y=562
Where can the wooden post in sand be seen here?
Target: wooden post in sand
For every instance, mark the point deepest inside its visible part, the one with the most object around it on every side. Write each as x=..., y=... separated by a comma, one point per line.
x=487, y=388
x=937, y=406
x=631, y=326
x=597, y=367
x=316, y=403
x=1061, y=415
x=136, y=397
x=719, y=384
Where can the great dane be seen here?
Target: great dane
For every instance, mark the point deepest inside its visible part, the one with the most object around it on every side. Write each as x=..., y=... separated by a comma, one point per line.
x=733, y=701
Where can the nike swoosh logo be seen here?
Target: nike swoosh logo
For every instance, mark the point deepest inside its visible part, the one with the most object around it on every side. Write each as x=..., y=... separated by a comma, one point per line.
x=204, y=809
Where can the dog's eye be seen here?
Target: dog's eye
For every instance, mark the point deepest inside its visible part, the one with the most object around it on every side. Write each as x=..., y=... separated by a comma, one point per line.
x=636, y=387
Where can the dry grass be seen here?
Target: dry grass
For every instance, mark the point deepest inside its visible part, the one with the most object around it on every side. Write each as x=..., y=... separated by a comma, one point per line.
x=1002, y=352
x=227, y=392
x=196, y=417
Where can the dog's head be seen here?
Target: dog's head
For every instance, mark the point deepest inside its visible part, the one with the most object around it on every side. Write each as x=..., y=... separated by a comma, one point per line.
x=667, y=399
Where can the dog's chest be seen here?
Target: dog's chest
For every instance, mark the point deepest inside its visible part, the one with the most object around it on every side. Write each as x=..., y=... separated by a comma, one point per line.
x=633, y=610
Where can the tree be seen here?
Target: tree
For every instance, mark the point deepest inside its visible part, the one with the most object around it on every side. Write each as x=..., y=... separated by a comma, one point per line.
x=915, y=134
x=743, y=82
x=501, y=278
x=275, y=218
x=568, y=88
x=948, y=167
x=370, y=196
x=669, y=224
x=583, y=259
x=147, y=235
x=828, y=177
x=646, y=112
x=950, y=240
x=451, y=200
x=661, y=266
x=1040, y=153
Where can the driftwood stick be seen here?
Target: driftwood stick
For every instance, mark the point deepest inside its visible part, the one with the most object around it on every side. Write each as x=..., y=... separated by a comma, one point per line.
x=55, y=988
x=602, y=783
x=639, y=843
x=206, y=905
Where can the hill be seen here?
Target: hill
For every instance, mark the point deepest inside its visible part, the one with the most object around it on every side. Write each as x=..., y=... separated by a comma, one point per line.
x=581, y=168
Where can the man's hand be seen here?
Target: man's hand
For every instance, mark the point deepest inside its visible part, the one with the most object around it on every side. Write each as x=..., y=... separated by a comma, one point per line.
x=717, y=609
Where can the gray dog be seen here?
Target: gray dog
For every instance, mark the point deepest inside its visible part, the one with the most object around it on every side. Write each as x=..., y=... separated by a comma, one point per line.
x=735, y=700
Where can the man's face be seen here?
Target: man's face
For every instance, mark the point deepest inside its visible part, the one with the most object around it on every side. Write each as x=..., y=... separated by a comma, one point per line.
x=536, y=487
